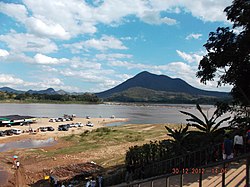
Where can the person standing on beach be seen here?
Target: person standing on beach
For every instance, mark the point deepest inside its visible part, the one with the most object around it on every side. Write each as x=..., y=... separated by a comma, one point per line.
x=17, y=164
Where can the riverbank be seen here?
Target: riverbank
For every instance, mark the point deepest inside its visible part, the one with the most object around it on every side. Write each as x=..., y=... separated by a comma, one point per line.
x=106, y=147
x=44, y=122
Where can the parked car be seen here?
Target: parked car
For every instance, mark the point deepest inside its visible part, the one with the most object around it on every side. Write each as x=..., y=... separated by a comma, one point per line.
x=16, y=131
x=63, y=128
x=52, y=120
x=72, y=125
x=89, y=124
x=8, y=125
x=88, y=117
x=43, y=129
x=50, y=129
x=8, y=132
x=79, y=124
x=2, y=133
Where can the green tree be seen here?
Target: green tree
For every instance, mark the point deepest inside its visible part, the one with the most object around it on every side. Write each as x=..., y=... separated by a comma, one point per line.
x=228, y=53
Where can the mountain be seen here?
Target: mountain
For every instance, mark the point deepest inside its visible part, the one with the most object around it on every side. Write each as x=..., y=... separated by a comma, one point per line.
x=157, y=83
x=62, y=92
x=10, y=90
x=49, y=91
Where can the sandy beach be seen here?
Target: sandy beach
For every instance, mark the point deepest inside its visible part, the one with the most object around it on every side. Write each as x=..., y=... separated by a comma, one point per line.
x=44, y=122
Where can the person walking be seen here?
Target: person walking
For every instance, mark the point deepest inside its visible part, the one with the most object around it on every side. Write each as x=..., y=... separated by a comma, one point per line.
x=17, y=164
x=238, y=144
x=227, y=148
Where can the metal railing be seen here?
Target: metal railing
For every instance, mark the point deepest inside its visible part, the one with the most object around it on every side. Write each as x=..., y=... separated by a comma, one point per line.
x=193, y=159
x=167, y=177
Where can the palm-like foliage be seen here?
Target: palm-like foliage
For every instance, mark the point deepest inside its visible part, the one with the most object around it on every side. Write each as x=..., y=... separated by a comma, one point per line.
x=179, y=136
x=207, y=126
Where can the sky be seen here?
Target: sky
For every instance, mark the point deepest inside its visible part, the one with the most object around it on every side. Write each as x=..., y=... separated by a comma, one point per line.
x=94, y=45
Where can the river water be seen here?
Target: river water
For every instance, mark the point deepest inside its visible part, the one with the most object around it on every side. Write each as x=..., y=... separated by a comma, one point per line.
x=28, y=143
x=137, y=114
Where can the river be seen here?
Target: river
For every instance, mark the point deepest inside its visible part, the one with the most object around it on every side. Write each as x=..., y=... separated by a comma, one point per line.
x=137, y=114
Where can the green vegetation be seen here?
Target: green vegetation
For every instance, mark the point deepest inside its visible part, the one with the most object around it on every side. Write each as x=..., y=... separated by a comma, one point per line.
x=209, y=129
x=138, y=94
x=103, y=137
x=45, y=98
x=228, y=58
x=206, y=134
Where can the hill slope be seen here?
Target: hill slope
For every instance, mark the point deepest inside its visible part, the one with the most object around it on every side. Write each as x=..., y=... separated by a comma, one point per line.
x=159, y=83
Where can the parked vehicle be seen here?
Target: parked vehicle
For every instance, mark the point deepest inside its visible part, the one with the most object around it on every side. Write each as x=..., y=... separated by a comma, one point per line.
x=2, y=133
x=43, y=129
x=72, y=125
x=50, y=129
x=8, y=132
x=87, y=117
x=63, y=128
x=16, y=131
x=8, y=125
x=89, y=124
x=52, y=120
x=79, y=124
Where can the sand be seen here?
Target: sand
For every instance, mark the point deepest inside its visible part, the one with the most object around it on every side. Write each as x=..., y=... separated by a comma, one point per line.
x=44, y=122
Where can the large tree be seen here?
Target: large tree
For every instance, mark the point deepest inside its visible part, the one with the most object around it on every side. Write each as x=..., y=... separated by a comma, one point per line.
x=228, y=53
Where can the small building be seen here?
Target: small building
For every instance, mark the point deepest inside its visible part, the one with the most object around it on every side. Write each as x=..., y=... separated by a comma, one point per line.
x=16, y=120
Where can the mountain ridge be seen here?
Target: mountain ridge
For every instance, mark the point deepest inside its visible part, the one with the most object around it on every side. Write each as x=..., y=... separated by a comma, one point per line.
x=159, y=83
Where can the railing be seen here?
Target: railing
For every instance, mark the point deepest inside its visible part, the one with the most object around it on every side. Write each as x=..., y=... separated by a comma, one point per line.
x=167, y=177
x=191, y=160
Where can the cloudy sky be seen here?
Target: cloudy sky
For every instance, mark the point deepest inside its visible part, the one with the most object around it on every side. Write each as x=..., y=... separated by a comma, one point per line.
x=93, y=45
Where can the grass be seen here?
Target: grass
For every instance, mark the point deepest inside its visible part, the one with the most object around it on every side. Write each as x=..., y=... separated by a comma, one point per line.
x=99, y=139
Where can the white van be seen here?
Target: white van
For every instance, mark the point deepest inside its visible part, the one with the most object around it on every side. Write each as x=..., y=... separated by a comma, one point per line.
x=16, y=131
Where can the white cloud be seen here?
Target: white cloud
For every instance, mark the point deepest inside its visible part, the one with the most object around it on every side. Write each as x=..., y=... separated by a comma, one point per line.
x=43, y=59
x=102, y=44
x=19, y=57
x=10, y=80
x=47, y=28
x=79, y=63
x=113, y=56
x=20, y=42
x=3, y=53
x=193, y=36
x=191, y=57
x=206, y=10
x=153, y=17
x=65, y=19
x=16, y=11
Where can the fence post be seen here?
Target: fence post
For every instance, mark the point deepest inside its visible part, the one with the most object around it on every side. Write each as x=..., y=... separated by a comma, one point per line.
x=247, y=172
x=181, y=180
x=200, y=179
x=152, y=183
x=223, y=175
x=167, y=182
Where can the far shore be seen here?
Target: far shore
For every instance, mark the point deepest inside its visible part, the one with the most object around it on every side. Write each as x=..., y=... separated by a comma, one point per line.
x=44, y=122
